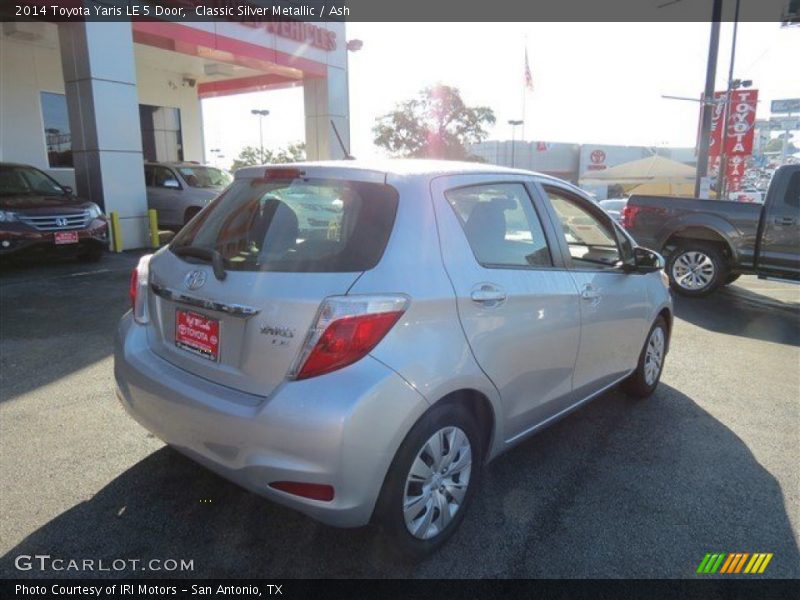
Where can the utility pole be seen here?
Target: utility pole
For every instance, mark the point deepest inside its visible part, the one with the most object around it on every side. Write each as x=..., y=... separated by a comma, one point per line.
x=260, y=113
x=722, y=174
x=514, y=123
x=708, y=97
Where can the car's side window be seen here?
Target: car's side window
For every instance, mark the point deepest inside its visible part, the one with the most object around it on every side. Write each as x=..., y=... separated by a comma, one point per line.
x=162, y=175
x=591, y=240
x=501, y=225
x=148, y=176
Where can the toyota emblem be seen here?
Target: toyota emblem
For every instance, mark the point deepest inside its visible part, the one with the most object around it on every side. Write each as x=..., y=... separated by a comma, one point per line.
x=195, y=280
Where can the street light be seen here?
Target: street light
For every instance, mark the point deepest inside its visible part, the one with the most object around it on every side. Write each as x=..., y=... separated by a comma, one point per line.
x=260, y=113
x=513, y=123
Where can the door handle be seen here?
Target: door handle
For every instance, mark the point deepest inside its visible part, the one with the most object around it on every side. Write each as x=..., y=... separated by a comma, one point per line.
x=590, y=293
x=785, y=221
x=488, y=294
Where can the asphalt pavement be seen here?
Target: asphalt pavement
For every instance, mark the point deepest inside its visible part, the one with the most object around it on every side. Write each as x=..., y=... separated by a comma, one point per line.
x=620, y=488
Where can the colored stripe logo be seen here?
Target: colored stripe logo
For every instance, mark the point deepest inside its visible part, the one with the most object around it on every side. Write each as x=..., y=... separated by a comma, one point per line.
x=734, y=562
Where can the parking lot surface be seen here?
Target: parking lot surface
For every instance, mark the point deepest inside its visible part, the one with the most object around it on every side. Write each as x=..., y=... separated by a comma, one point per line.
x=620, y=488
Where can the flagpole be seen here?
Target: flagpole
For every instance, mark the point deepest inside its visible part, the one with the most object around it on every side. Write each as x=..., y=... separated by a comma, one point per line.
x=524, y=84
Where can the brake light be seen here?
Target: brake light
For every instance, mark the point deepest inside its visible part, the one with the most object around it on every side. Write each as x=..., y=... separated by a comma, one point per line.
x=137, y=289
x=315, y=491
x=283, y=173
x=629, y=216
x=347, y=328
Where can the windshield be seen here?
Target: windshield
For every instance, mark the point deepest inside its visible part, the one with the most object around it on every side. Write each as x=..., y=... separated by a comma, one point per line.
x=205, y=177
x=27, y=181
x=296, y=225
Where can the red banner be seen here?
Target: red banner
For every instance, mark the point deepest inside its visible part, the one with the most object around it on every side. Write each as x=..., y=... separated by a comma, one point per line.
x=739, y=137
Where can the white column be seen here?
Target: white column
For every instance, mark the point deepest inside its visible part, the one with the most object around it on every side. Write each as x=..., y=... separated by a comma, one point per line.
x=326, y=99
x=100, y=82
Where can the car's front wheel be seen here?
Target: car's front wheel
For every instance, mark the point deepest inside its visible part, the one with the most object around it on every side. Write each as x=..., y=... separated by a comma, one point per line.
x=644, y=380
x=431, y=481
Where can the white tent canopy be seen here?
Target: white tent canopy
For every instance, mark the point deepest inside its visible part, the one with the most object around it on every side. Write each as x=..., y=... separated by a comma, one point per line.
x=652, y=168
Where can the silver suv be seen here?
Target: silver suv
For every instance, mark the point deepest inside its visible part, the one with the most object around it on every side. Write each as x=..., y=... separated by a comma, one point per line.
x=178, y=191
x=368, y=369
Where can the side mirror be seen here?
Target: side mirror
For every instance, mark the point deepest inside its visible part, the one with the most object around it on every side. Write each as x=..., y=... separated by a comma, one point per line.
x=67, y=190
x=172, y=184
x=647, y=261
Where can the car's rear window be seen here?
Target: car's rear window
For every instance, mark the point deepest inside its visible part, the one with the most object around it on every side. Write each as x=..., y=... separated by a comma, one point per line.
x=296, y=225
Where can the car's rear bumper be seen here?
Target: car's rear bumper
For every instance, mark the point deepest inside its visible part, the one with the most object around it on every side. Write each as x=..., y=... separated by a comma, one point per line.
x=341, y=429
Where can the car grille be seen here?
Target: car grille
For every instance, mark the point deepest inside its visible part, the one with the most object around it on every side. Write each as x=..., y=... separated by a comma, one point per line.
x=56, y=222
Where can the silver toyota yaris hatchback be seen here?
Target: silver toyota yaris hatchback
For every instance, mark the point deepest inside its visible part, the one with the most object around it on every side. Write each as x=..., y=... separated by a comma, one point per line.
x=357, y=340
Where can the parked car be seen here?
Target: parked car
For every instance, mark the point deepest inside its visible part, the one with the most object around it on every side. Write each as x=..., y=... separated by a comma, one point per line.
x=453, y=310
x=614, y=206
x=710, y=243
x=38, y=215
x=178, y=191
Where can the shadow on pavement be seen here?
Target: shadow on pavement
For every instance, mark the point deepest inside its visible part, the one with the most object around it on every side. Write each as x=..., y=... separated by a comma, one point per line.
x=621, y=488
x=58, y=316
x=735, y=310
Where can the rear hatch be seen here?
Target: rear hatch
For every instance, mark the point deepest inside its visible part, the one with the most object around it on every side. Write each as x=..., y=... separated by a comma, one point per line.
x=282, y=243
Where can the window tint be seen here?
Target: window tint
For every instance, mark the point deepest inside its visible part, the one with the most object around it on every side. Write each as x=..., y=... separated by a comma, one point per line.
x=591, y=241
x=296, y=225
x=162, y=175
x=27, y=181
x=501, y=225
x=793, y=191
x=205, y=177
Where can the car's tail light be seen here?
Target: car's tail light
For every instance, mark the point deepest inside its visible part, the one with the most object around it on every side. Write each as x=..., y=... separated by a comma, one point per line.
x=630, y=213
x=137, y=289
x=347, y=328
x=629, y=216
x=315, y=491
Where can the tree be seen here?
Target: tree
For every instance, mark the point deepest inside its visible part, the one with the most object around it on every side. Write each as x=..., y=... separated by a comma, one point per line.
x=250, y=155
x=776, y=144
x=435, y=124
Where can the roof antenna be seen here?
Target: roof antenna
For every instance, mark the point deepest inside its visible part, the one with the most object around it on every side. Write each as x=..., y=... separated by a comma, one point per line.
x=347, y=155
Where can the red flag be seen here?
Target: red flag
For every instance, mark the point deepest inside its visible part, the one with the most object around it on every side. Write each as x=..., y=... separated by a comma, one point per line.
x=528, y=77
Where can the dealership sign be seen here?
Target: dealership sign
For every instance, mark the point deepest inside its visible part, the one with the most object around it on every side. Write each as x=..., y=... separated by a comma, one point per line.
x=787, y=105
x=739, y=136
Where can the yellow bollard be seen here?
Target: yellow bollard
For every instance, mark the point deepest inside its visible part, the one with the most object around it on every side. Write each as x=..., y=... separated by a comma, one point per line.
x=154, y=239
x=116, y=232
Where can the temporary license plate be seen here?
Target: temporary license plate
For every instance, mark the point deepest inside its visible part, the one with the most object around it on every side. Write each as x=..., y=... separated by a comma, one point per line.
x=197, y=334
x=66, y=237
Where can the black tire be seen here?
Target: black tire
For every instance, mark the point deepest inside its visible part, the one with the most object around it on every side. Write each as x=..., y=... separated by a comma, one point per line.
x=637, y=384
x=389, y=511
x=731, y=278
x=93, y=254
x=715, y=269
x=190, y=214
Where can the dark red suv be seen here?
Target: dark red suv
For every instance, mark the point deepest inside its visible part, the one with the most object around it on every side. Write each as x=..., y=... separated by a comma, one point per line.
x=37, y=214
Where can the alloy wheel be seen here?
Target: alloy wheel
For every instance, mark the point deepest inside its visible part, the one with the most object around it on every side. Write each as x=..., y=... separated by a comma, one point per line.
x=693, y=270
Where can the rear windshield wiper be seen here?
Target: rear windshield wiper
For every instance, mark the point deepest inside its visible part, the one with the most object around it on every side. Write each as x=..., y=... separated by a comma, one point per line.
x=214, y=257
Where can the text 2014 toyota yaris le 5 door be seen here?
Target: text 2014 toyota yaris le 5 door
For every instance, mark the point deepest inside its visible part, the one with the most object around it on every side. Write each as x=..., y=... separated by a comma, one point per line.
x=369, y=369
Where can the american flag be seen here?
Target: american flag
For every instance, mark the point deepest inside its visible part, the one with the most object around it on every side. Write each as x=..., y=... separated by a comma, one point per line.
x=528, y=77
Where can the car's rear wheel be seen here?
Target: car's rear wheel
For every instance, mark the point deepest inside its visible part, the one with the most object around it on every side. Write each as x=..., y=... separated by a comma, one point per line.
x=431, y=481
x=644, y=380
x=731, y=278
x=696, y=268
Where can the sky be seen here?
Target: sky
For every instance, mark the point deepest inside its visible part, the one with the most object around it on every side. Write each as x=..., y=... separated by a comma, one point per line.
x=596, y=83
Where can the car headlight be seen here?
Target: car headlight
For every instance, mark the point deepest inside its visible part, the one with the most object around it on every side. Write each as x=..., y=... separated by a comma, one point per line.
x=7, y=216
x=94, y=211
